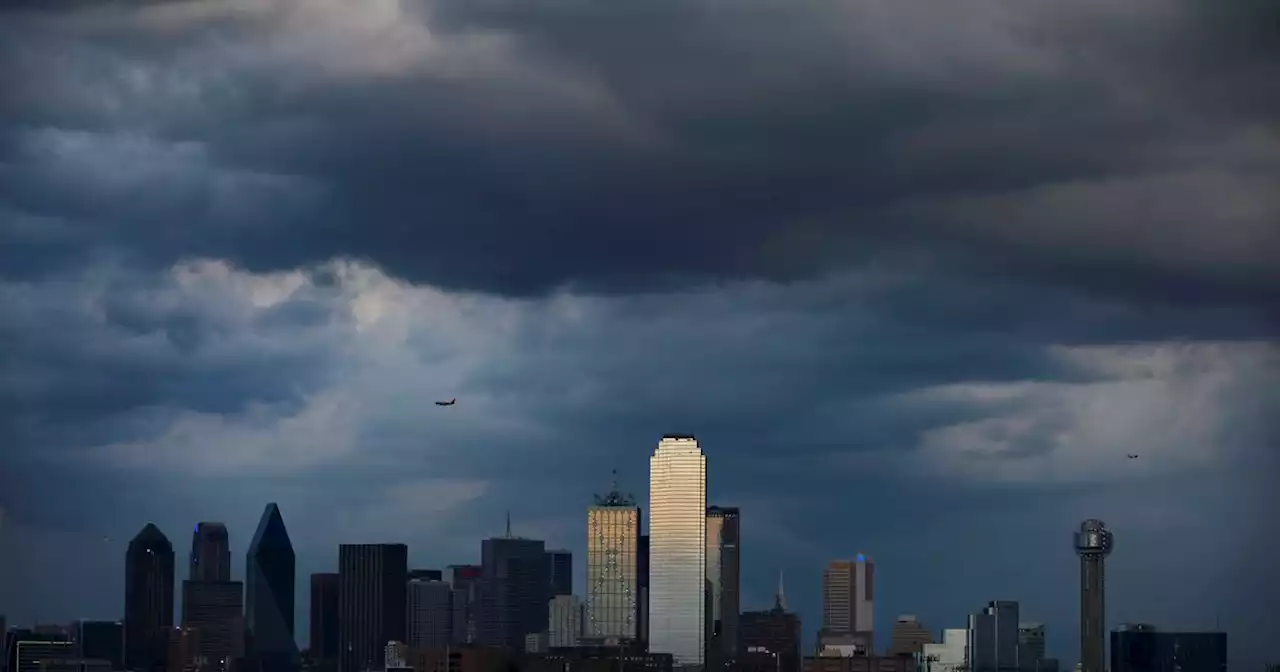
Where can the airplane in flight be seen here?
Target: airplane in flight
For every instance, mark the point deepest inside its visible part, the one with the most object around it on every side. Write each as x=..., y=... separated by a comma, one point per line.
x=447, y=403
x=1133, y=456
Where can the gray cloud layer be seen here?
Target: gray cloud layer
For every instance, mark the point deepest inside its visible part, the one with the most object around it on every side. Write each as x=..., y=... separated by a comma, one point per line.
x=929, y=267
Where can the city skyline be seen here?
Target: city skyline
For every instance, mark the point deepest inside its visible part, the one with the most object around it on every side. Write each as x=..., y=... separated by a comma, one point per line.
x=270, y=525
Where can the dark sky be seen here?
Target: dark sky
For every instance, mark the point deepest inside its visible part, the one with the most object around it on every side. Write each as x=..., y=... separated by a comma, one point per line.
x=917, y=273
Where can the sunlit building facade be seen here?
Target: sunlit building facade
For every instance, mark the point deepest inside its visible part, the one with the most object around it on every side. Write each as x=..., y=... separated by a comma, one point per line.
x=613, y=592
x=678, y=550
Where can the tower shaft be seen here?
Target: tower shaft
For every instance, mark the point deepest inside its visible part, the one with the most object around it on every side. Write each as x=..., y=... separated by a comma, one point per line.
x=1092, y=614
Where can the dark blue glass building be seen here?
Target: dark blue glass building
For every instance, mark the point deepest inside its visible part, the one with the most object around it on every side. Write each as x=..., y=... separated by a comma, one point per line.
x=269, y=596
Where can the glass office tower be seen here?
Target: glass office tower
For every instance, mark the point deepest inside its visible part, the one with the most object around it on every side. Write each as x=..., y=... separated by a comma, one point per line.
x=678, y=550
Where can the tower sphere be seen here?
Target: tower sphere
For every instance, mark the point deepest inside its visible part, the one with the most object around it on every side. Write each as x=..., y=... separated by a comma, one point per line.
x=1093, y=538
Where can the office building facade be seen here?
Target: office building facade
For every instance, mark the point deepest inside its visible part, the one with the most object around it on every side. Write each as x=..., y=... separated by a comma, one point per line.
x=431, y=610
x=994, y=639
x=848, y=604
x=564, y=621
x=770, y=639
x=324, y=618
x=216, y=610
x=98, y=640
x=723, y=576
x=1142, y=648
x=466, y=587
x=371, y=603
x=908, y=637
x=613, y=591
x=148, y=600
x=514, y=591
x=270, y=589
x=677, y=550
x=560, y=564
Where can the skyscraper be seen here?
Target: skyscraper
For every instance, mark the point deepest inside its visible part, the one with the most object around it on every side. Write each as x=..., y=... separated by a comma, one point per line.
x=613, y=593
x=564, y=621
x=371, y=603
x=560, y=564
x=678, y=549
x=1093, y=544
x=514, y=591
x=723, y=571
x=270, y=583
x=1031, y=650
x=770, y=639
x=148, y=600
x=466, y=588
x=210, y=553
x=993, y=638
x=216, y=610
x=95, y=640
x=848, y=603
x=430, y=622
x=212, y=603
x=642, y=580
x=324, y=619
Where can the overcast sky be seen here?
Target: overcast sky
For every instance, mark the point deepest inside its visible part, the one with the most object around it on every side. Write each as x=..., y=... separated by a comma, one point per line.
x=918, y=274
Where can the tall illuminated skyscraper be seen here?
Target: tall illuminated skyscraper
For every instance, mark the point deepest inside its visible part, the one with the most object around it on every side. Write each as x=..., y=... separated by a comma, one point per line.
x=613, y=591
x=678, y=549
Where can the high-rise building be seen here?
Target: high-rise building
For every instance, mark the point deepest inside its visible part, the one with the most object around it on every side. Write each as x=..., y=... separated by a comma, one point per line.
x=211, y=602
x=848, y=603
x=908, y=637
x=993, y=638
x=770, y=639
x=1141, y=648
x=949, y=655
x=210, y=553
x=1031, y=650
x=428, y=574
x=723, y=575
x=216, y=610
x=371, y=603
x=184, y=650
x=97, y=640
x=430, y=622
x=466, y=605
x=270, y=585
x=560, y=564
x=148, y=600
x=678, y=550
x=564, y=621
x=324, y=618
x=613, y=534
x=642, y=581
x=31, y=655
x=514, y=591
x=1093, y=545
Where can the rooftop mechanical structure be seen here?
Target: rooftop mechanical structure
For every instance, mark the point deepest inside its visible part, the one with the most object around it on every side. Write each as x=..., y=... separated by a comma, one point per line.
x=1093, y=545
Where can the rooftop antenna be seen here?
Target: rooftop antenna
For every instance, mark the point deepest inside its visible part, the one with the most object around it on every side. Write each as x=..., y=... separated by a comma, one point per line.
x=781, y=598
x=613, y=487
x=508, y=523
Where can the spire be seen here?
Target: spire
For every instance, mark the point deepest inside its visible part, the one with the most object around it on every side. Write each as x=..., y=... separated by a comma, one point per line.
x=615, y=498
x=780, y=600
x=508, y=523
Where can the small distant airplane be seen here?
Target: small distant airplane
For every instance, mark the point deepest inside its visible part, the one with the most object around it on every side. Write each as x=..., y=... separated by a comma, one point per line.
x=1133, y=456
x=447, y=403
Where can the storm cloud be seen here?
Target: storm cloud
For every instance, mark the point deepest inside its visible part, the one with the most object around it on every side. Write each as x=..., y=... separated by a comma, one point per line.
x=918, y=274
